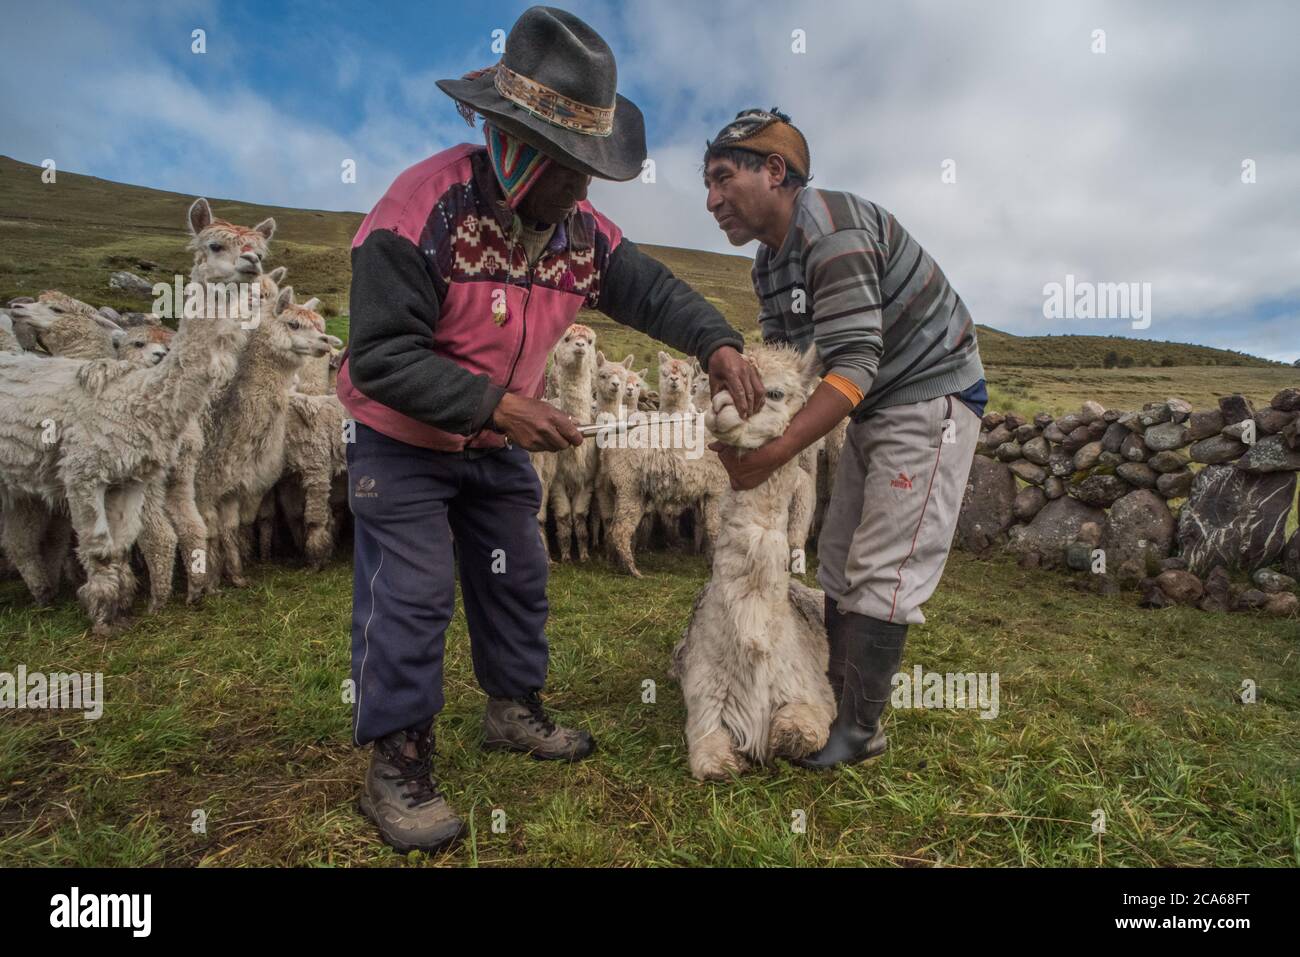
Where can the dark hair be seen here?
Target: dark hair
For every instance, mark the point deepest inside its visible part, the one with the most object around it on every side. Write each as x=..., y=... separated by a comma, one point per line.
x=748, y=159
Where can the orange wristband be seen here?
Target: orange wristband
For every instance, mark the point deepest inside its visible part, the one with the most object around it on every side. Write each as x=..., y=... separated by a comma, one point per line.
x=845, y=387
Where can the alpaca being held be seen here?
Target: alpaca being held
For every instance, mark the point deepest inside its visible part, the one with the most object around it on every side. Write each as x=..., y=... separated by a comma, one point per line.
x=575, y=467
x=752, y=664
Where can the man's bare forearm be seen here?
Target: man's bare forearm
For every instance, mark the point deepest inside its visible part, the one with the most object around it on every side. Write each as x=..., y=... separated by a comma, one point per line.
x=825, y=408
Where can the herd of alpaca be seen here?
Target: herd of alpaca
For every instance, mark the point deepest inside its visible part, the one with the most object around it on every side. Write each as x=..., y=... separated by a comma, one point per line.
x=118, y=439
x=118, y=442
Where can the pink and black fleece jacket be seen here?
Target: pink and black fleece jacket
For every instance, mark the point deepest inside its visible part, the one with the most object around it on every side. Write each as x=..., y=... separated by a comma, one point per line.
x=447, y=315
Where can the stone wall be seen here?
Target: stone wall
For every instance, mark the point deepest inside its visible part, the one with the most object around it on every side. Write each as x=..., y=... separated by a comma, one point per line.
x=1187, y=506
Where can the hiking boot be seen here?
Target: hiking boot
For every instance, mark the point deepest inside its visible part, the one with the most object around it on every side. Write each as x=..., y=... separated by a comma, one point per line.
x=402, y=798
x=873, y=650
x=521, y=724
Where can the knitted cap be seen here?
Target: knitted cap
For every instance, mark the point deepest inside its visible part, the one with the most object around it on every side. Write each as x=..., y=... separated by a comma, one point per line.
x=766, y=132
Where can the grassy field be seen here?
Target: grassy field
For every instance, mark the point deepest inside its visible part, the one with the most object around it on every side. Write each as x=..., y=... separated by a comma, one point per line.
x=235, y=709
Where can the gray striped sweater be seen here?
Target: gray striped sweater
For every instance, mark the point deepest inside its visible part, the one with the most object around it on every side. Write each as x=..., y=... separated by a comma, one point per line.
x=852, y=281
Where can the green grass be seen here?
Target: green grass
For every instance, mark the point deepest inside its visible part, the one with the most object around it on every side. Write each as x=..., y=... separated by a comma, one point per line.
x=235, y=709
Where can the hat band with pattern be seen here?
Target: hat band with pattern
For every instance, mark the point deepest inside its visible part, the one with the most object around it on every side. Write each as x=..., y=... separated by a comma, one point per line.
x=550, y=105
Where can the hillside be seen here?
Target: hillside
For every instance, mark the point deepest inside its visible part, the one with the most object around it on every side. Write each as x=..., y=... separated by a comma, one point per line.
x=70, y=235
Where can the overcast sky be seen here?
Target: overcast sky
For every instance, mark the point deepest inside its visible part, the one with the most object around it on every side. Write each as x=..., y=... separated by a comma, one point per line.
x=1116, y=166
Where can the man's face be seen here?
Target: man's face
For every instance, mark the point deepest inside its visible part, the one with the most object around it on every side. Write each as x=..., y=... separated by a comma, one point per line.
x=555, y=194
x=739, y=198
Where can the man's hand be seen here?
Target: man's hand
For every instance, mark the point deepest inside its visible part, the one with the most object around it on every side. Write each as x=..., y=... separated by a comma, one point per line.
x=729, y=370
x=754, y=467
x=536, y=425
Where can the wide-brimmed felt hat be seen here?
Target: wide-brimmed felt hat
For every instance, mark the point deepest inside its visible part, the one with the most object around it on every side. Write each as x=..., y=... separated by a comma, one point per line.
x=555, y=88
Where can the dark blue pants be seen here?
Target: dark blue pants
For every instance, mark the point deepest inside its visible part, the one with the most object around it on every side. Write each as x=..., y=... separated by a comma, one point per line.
x=408, y=503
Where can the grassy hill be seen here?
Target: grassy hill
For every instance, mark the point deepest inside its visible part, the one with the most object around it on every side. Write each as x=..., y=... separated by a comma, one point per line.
x=71, y=234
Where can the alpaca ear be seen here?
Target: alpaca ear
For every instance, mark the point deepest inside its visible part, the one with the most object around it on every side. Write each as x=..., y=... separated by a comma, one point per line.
x=311, y=303
x=600, y=358
x=643, y=373
x=200, y=216
x=278, y=273
x=809, y=366
x=284, y=299
x=266, y=227
x=631, y=358
x=664, y=357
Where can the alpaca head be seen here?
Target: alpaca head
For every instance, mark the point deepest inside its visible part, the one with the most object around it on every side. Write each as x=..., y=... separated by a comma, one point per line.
x=674, y=382
x=62, y=325
x=633, y=386
x=576, y=350
x=224, y=252
x=788, y=379
x=701, y=397
x=295, y=331
x=610, y=377
x=144, y=345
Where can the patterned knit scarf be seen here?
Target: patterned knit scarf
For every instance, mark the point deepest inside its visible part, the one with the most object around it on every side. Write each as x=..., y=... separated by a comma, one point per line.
x=517, y=164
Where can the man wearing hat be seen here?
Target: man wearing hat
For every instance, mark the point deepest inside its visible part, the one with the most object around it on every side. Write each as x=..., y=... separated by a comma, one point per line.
x=899, y=356
x=464, y=277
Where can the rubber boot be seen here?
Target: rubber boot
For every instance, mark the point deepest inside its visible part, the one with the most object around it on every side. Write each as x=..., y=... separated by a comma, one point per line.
x=873, y=650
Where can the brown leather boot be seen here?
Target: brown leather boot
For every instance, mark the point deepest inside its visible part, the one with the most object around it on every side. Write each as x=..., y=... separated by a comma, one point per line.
x=402, y=798
x=521, y=724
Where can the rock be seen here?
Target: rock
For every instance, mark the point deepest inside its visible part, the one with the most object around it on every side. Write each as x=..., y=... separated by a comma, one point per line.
x=1182, y=588
x=1060, y=464
x=1036, y=450
x=1216, y=450
x=1089, y=533
x=1138, y=474
x=1025, y=433
x=1053, y=488
x=111, y=314
x=1131, y=421
x=1078, y=556
x=1029, y=472
x=1028, y=503
x=1133, y=448
x=1091, y=412
x=1139, y=526
x=1234, y=518
x=1055, y=526
x=1291, y=435
x=1238, y=429
x=1166, y=436
x=1175, y=484
x=1068, y=423
x=1097, y=429
x=1112, y=415
x=1008, y=451
x=1235, y=408
x=998, y=436
x=1114, y=437
x=1272, y=421
x=992, y=420
x=1042, y=420
x=1165, y=462
x=1153, y=595
x=1014, y=420
x=1054, y=434
x=1179, y=409
x=1202, y=425
x=1272, y=582
x=1113, y=460
x=1288, y=400
x=1086, y=457
x=1155, y=415
x=1283, y=606
x=131, y=284
x=1077, y=439
x=1218, y=590
x=1249, y=600
x=986, y=509
x=1269, y=454
x=1131, y=573
x=1101, y=491
x=1290, y=555
x=1173, y=564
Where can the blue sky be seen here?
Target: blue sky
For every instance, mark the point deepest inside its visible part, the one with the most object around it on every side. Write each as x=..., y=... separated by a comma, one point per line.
x=1114, y=166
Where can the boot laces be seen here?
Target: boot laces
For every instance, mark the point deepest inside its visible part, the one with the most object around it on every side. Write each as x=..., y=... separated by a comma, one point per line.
x=416, y=774
x=537, y=714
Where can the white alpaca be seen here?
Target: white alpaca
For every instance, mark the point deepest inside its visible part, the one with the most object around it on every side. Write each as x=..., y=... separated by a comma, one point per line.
x=98, y=434
x=575, y=467
x=828, y=461
x=314, y=458
x=611, y=401
x=244, y=437
x=753, y=661
x=640, y=479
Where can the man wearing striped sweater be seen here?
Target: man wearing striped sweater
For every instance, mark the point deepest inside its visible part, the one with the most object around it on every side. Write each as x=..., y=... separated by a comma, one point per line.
x=899, y=356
